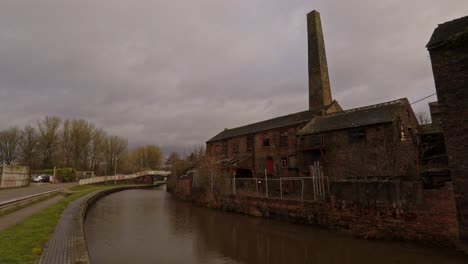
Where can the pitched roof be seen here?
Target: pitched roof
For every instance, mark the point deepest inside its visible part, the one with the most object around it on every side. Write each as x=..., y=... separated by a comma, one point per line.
x=362, y=116
x=448, y=30
x=278, y=122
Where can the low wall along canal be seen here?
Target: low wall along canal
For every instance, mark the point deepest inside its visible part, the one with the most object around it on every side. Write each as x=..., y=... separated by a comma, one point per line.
x=151, y=226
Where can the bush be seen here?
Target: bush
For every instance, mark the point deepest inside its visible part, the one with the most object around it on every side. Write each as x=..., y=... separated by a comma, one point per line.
x=62, y=174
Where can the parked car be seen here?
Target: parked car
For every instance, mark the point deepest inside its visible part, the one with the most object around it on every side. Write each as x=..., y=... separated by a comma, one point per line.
x=42, y=178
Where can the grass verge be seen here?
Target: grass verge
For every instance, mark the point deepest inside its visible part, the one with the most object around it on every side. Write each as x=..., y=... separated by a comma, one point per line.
x=18, y=207
x=24, y=242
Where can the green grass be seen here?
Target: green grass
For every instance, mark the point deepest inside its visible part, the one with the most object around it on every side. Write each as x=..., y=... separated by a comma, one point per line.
x=24, y=242
x=18, y=207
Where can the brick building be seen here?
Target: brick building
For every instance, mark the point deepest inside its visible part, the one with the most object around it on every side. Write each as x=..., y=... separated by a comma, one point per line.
x=347, y=143
x=372, y=141
x=448, y=49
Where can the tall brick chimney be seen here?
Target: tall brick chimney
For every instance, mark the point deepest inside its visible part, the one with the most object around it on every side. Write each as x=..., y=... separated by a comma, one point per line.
x=319, y=83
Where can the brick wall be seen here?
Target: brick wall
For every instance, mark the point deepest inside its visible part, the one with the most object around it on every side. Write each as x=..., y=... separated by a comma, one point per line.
x=450, y=68
x=183, y=188
x=434, y=221
x=380, y=153
x=257, y=158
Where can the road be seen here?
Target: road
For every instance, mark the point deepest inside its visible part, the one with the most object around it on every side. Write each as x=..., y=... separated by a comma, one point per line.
x=34, y=188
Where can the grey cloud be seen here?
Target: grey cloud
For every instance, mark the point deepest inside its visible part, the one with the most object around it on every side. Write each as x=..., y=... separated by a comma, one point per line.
x=175, y=73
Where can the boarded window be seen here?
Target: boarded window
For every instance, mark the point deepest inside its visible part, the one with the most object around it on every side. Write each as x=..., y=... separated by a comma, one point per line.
x=357, y=135
x=284, y=139
x=292, y=162
x=266, y=141
x=250, y=143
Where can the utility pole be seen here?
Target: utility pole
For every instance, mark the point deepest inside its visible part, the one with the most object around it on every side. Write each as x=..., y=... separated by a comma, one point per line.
x=115, y=170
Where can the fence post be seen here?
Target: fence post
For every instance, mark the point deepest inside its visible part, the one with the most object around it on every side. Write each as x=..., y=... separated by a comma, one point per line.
x=302, y=192
x=323, y=182
x=234, y=186
x=281, y=188
x=312, y=171
x=256, y=184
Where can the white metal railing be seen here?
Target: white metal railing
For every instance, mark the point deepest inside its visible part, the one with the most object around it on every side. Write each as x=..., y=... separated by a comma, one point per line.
x=122, y=177
x=295, y=188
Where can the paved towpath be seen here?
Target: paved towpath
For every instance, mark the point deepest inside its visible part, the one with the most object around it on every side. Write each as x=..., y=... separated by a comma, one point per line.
x=67, y=243
x=34, y=188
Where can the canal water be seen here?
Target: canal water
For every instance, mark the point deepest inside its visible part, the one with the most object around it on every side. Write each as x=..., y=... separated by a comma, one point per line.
x=150, y=226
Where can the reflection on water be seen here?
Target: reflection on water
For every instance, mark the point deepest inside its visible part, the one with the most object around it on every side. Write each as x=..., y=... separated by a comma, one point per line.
x=149, y=226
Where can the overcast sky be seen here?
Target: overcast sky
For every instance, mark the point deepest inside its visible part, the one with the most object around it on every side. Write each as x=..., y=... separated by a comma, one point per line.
x=175, y=73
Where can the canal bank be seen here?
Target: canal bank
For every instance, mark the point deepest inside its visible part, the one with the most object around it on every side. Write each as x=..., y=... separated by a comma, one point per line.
x=152, y=226
x=431, y=222
x=68, y=244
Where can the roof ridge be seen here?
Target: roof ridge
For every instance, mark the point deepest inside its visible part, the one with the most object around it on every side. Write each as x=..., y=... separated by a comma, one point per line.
x=266, y=120
x=401, y=100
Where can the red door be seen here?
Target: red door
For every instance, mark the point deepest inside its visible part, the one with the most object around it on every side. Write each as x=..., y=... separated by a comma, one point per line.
x=270, y=165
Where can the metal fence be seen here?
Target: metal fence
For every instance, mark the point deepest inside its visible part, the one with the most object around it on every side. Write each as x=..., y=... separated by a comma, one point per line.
x=104, y=179
x=292, y=188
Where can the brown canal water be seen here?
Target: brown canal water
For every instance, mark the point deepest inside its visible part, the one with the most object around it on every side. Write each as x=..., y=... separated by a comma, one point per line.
x=150, y=226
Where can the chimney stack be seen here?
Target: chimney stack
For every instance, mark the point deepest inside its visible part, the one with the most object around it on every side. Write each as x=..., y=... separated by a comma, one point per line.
x=319, y=83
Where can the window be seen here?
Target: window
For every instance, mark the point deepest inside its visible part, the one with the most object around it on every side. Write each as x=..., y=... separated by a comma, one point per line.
x=235, y=146
x=266, y=141
x=284, y=162
x=402, y=133
x=224, y=148
x=356, y=135
x=250, y=143
x=411, y=134
x=284, y=139
x=292, y=162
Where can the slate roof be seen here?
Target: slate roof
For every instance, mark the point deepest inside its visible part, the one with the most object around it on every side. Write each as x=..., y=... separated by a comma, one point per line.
x=368, y=115
x=278, y=122
x=448, y=30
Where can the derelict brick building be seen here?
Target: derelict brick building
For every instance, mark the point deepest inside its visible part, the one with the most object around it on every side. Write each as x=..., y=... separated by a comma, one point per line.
x=448, y=48
x=287, y=146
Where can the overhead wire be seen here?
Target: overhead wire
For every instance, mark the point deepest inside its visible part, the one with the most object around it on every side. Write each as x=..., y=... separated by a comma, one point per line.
x=417, y=101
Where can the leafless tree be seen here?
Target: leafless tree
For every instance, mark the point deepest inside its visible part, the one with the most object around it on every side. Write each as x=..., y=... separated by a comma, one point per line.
x=49, y=139
x=116, y=147
x=28, y=146
x=81, y=137
x=98, y=148
x=147, y=157
x=423, y=118
x=65, y=143
x=9, y=141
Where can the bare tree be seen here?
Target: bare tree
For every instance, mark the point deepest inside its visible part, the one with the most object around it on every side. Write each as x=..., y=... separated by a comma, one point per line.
x=49, y=139
x=65, y=144
x=9, y=141
x=116, y=148
x=147, y=157
x=81, y=137
x=98, y=147
x=423, y=118
x=28, y=146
